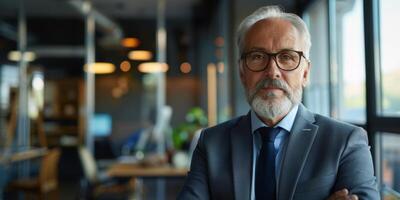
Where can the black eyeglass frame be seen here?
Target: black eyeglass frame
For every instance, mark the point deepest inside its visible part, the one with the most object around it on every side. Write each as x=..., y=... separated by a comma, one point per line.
x=273, y=56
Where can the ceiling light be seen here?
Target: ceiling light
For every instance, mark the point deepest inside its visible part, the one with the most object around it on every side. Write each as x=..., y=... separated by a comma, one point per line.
x=100, y=68
x=140, y=55
x=185, y=67
x=29, y=56
x=153, y=67
x=130, y=42
x=125, y=66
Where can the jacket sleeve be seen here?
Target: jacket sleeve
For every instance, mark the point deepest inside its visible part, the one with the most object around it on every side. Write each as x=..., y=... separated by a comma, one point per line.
x=196, y=183
x=356, y=171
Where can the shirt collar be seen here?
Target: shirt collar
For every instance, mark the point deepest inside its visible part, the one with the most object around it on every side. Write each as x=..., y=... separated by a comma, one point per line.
x=286, y=123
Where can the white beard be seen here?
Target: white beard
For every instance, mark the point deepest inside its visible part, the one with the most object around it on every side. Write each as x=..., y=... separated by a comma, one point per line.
x=268, y=106
x=271, y=108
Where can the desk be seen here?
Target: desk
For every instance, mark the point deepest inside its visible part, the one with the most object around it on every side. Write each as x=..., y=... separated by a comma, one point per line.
x=140, y=172
x=135, y=170
x=23, y=155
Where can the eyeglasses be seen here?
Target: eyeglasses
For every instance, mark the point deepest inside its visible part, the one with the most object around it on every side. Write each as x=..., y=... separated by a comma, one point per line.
x=286, y=60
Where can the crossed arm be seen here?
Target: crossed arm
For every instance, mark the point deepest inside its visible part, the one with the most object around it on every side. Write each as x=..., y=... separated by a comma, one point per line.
x=356, y=174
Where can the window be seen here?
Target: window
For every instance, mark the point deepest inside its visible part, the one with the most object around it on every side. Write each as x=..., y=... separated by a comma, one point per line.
x=388, y=99
x=390, y=164
x=347, y=67
x=390, y=57
x=316, y=94
x=349, y=88
x=337, y=84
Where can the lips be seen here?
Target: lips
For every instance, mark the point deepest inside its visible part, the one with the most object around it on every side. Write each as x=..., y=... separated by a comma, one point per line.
x=273, y=85
x=271, y=88
x=272, y=91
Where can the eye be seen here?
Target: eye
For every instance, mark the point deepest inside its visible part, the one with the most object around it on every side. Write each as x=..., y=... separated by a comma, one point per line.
x=287, y=56
x=256, y=56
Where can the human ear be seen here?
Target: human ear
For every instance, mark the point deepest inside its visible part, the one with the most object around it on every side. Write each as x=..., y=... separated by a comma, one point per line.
x=241, y=73
x=306, y=74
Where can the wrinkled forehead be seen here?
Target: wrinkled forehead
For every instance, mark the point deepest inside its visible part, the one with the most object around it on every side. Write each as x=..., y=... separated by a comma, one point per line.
x=273, y=34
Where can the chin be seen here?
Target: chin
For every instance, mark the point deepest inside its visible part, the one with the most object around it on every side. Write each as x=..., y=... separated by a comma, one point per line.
x=271, y=107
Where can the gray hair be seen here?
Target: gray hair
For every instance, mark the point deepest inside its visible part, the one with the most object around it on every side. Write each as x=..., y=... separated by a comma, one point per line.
x=268, y=12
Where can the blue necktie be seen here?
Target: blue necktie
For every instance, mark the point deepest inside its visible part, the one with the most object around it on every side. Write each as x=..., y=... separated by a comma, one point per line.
x=265, y=168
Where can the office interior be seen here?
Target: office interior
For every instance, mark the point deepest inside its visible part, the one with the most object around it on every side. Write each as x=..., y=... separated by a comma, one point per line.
x=106, y=99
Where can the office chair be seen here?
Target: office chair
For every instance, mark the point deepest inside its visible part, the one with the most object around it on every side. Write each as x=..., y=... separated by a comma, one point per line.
x=45, y=185
x=96, y=185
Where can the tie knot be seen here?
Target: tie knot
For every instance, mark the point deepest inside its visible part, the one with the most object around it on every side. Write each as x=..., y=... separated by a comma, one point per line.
x=268, y=133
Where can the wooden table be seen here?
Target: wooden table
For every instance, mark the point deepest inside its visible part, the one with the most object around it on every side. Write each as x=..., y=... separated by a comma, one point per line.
x=23, y=155
x=135, y=170
x=139, y=172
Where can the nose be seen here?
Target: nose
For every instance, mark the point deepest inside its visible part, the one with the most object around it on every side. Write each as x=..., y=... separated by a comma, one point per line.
x=272, y=70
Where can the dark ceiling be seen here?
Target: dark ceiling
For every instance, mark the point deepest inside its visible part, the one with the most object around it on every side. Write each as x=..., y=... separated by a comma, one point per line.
x=60, y=24
x=116, y=8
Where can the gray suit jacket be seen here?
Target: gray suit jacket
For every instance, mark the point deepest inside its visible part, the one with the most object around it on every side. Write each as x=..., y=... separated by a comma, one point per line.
x=321, y=157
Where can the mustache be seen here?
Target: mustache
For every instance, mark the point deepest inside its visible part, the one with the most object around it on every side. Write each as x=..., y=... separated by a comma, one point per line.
x=273, y=83
x=267, y=82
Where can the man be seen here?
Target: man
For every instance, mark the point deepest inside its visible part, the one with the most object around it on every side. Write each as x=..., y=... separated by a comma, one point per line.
x=301, y=155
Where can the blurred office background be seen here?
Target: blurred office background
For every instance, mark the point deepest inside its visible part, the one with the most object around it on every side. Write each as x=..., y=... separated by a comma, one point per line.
x=104, y=99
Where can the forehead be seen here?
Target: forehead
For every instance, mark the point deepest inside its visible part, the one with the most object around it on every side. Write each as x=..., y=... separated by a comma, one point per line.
x=272, y=35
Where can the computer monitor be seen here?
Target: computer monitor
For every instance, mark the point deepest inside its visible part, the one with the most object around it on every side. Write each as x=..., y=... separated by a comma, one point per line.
x=101, y=125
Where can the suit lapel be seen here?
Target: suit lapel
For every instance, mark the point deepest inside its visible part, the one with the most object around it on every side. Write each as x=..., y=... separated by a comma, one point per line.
x=300, y=141
x=242, y=156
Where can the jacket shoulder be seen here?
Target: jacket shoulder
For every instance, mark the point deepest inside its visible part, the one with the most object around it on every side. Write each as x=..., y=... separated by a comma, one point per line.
x=328, y=121
x=329, y=125
x=222, y=129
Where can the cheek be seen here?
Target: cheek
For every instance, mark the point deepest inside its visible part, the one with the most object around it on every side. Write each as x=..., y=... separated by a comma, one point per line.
x=294, y=80
x=245, y=77
x=252, y=79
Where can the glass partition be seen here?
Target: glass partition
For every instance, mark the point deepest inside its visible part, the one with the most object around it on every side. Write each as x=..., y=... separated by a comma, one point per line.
x=390, y=62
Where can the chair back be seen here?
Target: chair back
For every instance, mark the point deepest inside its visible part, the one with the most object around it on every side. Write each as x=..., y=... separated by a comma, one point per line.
x=88, y=164
x=48, y=176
